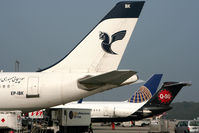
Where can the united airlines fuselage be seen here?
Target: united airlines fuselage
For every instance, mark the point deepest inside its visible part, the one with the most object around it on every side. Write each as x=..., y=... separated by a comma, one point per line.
x=103, y=110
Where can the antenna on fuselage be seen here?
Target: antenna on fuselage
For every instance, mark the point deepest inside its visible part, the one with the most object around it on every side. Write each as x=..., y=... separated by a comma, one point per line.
x=17, y=66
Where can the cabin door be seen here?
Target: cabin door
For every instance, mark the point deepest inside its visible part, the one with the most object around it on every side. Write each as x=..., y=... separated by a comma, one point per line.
x=33, y=87
x=108, y=111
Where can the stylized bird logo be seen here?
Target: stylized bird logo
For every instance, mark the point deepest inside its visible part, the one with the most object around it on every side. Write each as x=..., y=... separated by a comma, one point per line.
x=106, y=43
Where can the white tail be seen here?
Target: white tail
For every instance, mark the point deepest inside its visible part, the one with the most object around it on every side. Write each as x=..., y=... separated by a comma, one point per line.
x=102, y=49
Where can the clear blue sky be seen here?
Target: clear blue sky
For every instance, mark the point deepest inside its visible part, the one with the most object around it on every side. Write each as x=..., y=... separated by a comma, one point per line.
x=165, y=40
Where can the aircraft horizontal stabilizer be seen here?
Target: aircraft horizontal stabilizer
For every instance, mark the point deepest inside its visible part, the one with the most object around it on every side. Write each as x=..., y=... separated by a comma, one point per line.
x=170, y=84
x=116, y=77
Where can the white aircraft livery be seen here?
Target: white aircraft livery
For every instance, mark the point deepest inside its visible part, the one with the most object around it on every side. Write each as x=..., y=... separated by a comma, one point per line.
x=91, y=67
x=117, y=111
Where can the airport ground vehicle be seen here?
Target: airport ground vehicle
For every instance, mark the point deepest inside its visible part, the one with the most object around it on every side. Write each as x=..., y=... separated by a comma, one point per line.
x=141, y=123
x=187, y=126
x=127, y=124
x=10, y=121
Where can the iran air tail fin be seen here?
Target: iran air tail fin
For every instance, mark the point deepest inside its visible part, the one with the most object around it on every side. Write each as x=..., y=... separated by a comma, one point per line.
x=102, y=49
x=146, y=91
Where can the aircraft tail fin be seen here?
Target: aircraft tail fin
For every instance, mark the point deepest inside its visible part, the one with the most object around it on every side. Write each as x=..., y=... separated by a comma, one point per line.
x=167, y=93
x=146, y=91
x=102, y=49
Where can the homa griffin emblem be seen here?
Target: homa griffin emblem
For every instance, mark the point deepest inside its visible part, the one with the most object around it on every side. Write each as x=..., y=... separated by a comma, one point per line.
x=106, y=43
x=165, y=96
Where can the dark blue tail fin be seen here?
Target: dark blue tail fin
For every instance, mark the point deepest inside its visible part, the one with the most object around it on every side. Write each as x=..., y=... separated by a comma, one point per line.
x=146, y=91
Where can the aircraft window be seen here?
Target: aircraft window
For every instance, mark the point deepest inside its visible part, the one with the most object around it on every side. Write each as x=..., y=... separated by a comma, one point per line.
x=8, y=86
x=3, y=86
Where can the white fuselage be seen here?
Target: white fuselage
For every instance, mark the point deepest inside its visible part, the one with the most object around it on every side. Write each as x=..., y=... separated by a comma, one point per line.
x=33, y=91
x=106, y=109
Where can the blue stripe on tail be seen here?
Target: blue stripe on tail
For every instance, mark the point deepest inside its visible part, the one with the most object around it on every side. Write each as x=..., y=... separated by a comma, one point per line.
x=146, y=91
